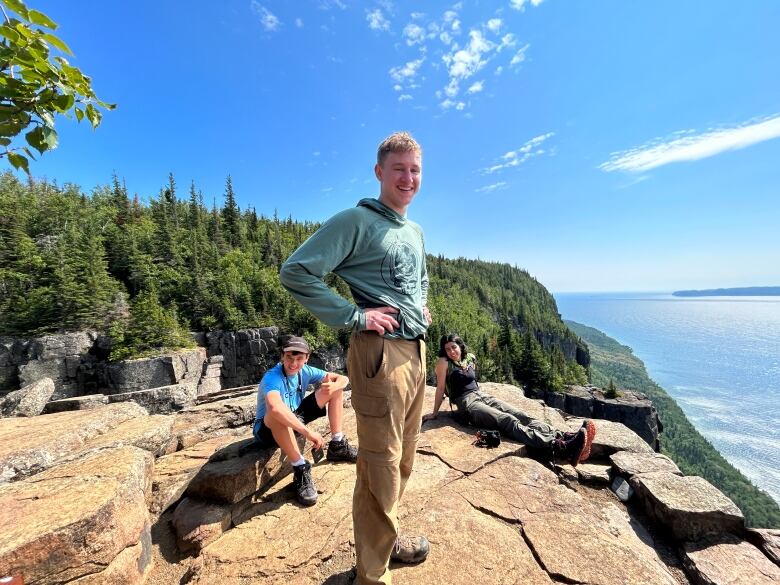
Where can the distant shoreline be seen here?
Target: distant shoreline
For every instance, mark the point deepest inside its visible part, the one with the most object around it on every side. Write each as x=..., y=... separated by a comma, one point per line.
x=746, y=291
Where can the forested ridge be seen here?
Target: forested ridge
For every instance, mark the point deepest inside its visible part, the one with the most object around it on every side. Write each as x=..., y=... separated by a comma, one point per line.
x=146, y=273
x=680, y=440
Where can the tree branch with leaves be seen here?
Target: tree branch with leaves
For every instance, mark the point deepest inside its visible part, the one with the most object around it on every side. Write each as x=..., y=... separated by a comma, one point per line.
x=36, y=86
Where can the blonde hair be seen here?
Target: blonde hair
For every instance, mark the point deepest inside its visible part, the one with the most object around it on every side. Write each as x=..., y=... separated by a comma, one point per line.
x=397, y=142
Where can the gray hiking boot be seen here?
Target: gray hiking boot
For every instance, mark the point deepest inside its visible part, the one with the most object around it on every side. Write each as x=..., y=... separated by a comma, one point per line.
x=410, y=549
x=341, y=451
x=303, y=484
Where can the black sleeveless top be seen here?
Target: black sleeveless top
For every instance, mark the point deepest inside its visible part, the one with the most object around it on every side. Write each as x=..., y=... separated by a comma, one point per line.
x=461, y=381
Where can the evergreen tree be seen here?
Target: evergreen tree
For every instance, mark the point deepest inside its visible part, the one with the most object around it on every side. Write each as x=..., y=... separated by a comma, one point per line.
x=230, y=215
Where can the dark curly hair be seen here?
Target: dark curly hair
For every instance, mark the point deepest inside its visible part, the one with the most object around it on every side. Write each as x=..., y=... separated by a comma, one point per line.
x=452, y=338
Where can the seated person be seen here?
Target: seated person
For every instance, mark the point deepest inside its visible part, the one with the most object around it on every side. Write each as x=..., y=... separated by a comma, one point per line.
x=456, y=374
x=282, y=410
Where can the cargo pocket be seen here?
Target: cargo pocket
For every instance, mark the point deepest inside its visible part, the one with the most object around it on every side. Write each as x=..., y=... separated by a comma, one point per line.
x=373, y=422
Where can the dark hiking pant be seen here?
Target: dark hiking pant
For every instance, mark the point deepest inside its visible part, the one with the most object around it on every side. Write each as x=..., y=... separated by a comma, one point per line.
x=486, y=412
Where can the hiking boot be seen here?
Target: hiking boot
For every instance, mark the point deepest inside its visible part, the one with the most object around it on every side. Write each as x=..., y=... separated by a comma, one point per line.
x=575, y=447
x=303, y=484
x=410, y=549
x=341, y=451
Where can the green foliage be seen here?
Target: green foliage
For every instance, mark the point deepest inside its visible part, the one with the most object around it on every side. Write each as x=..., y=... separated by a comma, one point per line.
x=150, y=329
x=611, y=391
x=36, y=86
x=693, y=454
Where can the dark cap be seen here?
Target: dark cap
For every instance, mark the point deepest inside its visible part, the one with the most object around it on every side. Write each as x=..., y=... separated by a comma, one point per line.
x=296, y=344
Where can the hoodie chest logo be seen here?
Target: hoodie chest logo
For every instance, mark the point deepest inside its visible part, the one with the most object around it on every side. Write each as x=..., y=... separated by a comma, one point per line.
x=400, y=268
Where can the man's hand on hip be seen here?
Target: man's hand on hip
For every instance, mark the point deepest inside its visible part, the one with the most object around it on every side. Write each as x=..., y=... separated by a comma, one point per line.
x=381, y=319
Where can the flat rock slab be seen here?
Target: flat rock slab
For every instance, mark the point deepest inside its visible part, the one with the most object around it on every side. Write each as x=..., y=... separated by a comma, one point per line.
x=689, y=507
x=74, y=520
x=612, y=437
x=150, y=433
x=593, y=473
x=768, y=540
x=199, y=523
x=161, y=400
x=76, y=403
x=202, y=422
x=727, y=560
x=28, y=401
x=30, y=445
x=173, y=473
x=628, y=464
x=577, y=548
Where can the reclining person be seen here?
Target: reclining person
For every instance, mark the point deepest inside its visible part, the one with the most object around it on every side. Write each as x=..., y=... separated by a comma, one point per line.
x=456, y=375
x=282, y=410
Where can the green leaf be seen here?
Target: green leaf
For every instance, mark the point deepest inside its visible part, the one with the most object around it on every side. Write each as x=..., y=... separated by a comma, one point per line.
x=19, y=162
x=47, y=118
x=50, y=138
x=64, y=102
x=57, y=42
x=18, y=7
x=93, y=115
x=79, y=114
x=35, y=139
x=39, y=18
x=9, y=33
x=5, y=141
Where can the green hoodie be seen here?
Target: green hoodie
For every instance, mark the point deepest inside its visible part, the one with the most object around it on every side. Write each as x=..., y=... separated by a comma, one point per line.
x=381, y=256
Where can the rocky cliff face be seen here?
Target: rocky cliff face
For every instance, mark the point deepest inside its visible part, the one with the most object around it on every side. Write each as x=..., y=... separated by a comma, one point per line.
x=632, y=409
x=113, y=495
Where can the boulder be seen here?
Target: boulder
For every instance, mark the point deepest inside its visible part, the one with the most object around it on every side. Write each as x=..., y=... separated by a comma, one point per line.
x=29, y=401
x=728, y=560
x=330, y=359
x=201, y=422
x=593, y=473
x=161, y=400
x=768, y=540
x=181, y=367
x=76, y=403
x=689, y=507
x=622, y=489
x=173, y=473
x=30, y=445
x=612, y=437
x=74, y=520
x=198, y=523
x=628, y=464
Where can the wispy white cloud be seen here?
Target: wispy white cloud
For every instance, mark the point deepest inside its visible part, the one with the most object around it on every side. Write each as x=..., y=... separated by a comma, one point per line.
x=404, y=97
x=491, y=188
x=519, y=57
x=269, y=21
x=476, y=87
x=515, y=158
x=689, y=146
x=417, y=15
x=414, y=34
x=494, y=24
x=376, y=20
x=520, y=4
x=328, y=4
x=299, y=23
x=406, y=73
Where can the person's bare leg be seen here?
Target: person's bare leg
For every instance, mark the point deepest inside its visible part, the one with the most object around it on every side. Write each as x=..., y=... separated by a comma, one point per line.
x=335, y=405
x=284, y=437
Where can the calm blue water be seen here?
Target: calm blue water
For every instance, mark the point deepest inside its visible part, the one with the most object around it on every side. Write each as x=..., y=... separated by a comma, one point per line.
x=719, y=357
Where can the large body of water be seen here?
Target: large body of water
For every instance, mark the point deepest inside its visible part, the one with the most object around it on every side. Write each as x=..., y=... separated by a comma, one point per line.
x=719, y=357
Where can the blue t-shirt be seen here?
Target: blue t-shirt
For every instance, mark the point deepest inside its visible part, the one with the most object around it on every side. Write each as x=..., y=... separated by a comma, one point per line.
x=274, y=380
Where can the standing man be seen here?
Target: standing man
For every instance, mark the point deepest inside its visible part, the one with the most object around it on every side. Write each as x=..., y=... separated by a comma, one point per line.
x=380, y=254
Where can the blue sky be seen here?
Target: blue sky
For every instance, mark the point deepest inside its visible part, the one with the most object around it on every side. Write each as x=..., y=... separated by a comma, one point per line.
x=607, y=145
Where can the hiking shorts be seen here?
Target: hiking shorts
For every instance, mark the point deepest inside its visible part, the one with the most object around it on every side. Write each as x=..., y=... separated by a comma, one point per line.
x=308, y=411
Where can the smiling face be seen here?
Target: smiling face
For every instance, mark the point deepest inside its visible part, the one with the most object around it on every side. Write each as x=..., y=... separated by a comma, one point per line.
x=400, y=175
x=452, y=350
x=293, y=361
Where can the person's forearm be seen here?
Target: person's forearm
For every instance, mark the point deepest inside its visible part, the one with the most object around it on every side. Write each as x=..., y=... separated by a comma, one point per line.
x=314, y=294
x=437, y=401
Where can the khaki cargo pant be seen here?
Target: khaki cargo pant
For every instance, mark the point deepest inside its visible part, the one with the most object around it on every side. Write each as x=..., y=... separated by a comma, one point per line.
x=388, y=389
